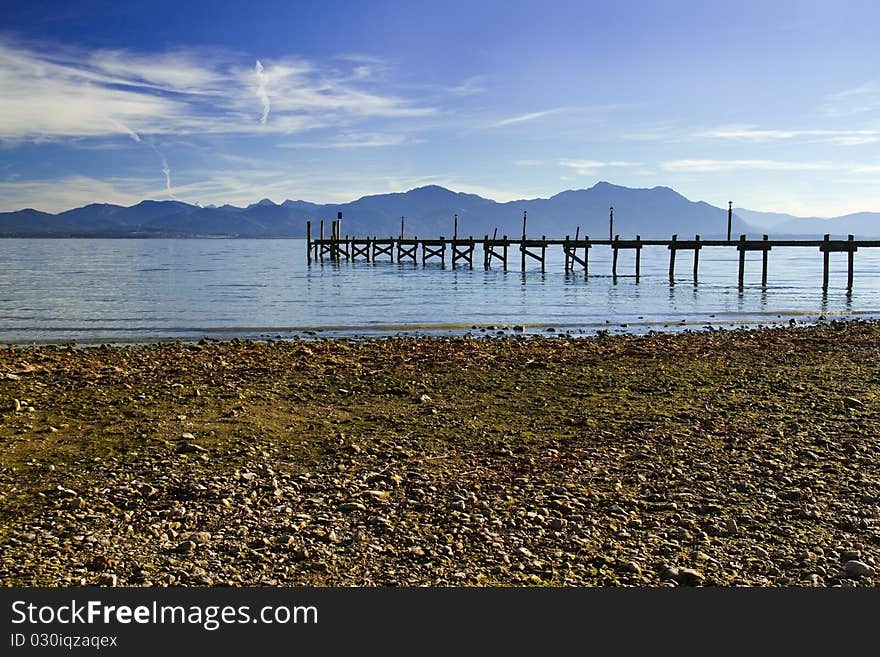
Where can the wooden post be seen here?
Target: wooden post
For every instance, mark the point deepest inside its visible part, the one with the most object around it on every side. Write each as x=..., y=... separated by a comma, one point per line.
x=586, y=255
x=309, y=240
x=614, y=258
x=504, y=237
x=565, y=248
x=486, y=252
x=742, y=259
x=401, y=228
x=765, y=252
x=729, y=218
x=696, y=258
x=611, y=223
x=638, y=257
x=672, y=250
x=322, y=241
x=522, y=246
x=543, y=251
x=850, y=262
x=825, y=265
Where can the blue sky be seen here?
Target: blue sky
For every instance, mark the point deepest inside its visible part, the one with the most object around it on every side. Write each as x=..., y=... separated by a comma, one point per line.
x=775, y=106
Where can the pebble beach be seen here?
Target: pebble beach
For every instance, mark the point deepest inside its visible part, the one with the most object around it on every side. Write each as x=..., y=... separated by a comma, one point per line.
x=702, y=458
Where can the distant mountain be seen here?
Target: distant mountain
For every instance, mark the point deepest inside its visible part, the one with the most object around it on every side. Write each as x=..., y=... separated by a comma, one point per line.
x=428, y=211
x=861, y=224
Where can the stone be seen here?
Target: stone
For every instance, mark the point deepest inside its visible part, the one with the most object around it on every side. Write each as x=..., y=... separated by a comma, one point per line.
x=852, y=402
x=856, y=568
x=186, y=547
x=632, y=567
x=191, y=448
x=351, y=506
x=106, y=579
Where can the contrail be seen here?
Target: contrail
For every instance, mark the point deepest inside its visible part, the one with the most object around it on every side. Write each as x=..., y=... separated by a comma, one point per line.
x=167, y=173
x=262, y=79
x=131, y=133
x=166, y=170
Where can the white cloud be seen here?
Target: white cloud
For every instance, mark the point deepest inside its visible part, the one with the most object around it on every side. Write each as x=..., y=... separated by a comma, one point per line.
x=64, y=194
x=754, y=134
x=858, y=100
x=713, y=166
x=355, y=140
x=589, y=167
x=522, y=118
x=64, y=94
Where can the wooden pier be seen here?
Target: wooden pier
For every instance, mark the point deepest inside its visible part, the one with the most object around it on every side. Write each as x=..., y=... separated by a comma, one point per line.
x=337, y=247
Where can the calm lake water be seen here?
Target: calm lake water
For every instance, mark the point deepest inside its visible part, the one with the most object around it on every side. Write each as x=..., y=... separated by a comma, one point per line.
x=134, y=290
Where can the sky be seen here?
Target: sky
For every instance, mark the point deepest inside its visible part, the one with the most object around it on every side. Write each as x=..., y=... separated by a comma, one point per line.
x=773, y=105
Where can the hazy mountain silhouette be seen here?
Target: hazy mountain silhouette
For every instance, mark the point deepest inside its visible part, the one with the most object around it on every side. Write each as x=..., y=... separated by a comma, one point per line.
x=657, y=212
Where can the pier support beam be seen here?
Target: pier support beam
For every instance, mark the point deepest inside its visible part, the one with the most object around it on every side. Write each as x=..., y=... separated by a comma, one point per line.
x=672, y=249
x=614, y=250
x=850, y=261
x=764, y=254
x=309, y=241
x=638, y=257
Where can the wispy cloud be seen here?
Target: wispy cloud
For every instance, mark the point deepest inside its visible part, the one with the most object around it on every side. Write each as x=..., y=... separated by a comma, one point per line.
x=66, y=193
x=713, y=166
x=589, y=167
x=750, y=133
x=355, y=140
x=523, y=118
x=62, y=94
x=858, y=100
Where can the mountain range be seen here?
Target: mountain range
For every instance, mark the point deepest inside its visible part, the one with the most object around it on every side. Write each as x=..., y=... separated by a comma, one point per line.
x=428, y=211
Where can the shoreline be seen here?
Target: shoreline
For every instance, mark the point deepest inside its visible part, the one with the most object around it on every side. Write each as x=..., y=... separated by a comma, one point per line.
x=463, y=330
x=713, y=457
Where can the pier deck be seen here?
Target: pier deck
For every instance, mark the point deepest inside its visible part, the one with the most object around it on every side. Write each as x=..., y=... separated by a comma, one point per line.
x=462, y=249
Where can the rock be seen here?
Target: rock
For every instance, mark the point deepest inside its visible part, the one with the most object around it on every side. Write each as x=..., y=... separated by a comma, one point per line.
x=16, y=405
x=632, y=567
x=683, y=576
x=856, y=568
x=191, y=448
x=351, y=506
x=106, y=579
x=852, y=402
x=425, y=399
x=186, y=547
x=519, y=327
x=851, y=555
x=187, y=436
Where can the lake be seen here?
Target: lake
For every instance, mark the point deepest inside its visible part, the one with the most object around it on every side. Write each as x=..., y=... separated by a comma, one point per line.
x=130, y=290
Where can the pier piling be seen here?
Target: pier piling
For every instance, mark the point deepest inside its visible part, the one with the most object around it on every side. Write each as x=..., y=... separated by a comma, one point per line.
x=337, y=246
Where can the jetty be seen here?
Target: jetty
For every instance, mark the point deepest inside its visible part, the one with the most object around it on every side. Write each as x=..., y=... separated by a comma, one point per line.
x=463, y=250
